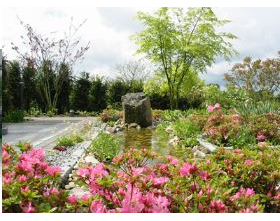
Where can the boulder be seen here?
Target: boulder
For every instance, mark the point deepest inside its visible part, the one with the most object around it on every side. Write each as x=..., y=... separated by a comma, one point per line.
x=91, y=160
x=137, y=109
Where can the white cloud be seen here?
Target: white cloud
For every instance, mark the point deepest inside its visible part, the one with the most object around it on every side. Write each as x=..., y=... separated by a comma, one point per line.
x=109, y=30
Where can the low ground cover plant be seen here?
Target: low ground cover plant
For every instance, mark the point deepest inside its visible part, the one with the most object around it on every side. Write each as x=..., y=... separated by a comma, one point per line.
x=14, y=116
x=68, y=141
x=105, y=147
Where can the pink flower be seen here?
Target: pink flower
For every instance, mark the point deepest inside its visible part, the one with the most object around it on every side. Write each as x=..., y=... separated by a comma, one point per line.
x=204, y=175
x=137, y=171
x=131, y=202
x=155, y=204
x=83, y=172
x=27, y=207
x=208, y=162
x=53, y=171
x=187, y=169
x=72, y=199
x=24, y=189
x=97, y=206
x=213, y=118
x=172, y=160
x=243, y=193
x=6, y=157
x=98, y=171
x=7, y=178
x=218, y=206
x=210, y=108
x=248, y=162
x=261, y=137
x=22, y=178
x=217, y=106
x=54, y=191
x=47, y=193
x=247, y=210
x=85, y=197
x=249, y=192
x=25, y=166
x=160, y=180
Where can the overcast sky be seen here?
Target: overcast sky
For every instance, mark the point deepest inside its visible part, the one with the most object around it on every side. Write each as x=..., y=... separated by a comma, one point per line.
x=109, y=31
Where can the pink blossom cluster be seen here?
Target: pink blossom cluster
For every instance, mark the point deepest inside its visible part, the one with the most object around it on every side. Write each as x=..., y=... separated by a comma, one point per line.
x=26, y=169
x=128, y=196
x=211, y=108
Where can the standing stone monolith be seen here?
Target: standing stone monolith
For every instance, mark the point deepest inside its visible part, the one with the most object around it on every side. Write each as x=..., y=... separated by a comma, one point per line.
x=137, y=109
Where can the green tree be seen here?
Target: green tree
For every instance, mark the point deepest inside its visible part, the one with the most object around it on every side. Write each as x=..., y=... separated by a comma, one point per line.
x=30, y=92
x=97, y=94
x=63, y=102
x=259, y=78
x=14, y=78
x=6, y=87
x=49, y=54
x=190, y=92
x=181, y=42
x=80, y=93
x=116, y=89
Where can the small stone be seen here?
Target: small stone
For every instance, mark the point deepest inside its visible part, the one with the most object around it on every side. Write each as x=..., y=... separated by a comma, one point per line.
x=132, y=125
x=199, y=154
x=204, y=150
x=71, y=185
x=91, y=160
x=174, y=141
x=195, y=148
x=138, y=127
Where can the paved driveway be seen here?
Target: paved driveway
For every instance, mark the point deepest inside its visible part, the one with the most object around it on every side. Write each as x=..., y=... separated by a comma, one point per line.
x=41, y=132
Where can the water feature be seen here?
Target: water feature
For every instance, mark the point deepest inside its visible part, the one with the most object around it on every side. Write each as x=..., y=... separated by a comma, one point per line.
x=152, y=140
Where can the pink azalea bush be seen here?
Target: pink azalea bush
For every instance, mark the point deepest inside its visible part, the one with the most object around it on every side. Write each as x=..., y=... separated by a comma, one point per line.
x=29, y=183
x=140, y=181
x=220, y=128
x=220, y=184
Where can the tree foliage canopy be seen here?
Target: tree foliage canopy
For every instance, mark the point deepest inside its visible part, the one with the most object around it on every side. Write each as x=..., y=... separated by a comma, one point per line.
x=180, y=41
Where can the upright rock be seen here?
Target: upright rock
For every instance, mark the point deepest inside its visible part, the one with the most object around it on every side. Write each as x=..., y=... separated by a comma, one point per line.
x=137, y=109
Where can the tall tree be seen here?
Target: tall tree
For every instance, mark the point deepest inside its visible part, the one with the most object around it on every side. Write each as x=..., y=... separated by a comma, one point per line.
x=181, y=42
x=63, y=102
x=15, y=84
x=259, y=76
x=29, y=85
x=49, y=55
x=97, y=94
x=80, y=93
x=6, y=87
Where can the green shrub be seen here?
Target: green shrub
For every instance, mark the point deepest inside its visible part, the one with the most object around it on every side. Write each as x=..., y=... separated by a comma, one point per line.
x=257, y=108
x=172, y=115
x=69, y=141
x=186, y=130
x=266, y=125
x=244, y=138
x=35, y=111
x=105, y=147
x=14, y=116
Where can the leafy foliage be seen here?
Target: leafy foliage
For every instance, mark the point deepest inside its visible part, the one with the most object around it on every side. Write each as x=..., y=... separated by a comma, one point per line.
x=105, y=147
x=14, y=116
x=68, y=141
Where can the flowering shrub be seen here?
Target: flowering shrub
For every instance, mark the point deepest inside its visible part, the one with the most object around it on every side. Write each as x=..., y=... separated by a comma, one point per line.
x=29, y=183
x=220, y=128
x=265, y=127
x=141, y=181
x=239, y=181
